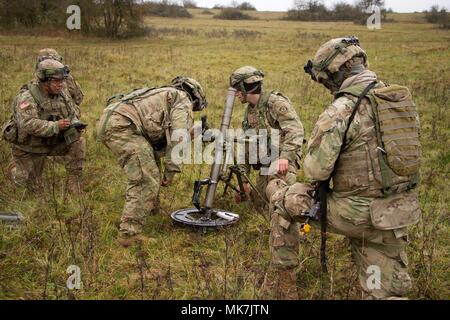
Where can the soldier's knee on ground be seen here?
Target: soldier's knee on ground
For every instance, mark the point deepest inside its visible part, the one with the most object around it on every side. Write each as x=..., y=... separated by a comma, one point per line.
x=279, y=283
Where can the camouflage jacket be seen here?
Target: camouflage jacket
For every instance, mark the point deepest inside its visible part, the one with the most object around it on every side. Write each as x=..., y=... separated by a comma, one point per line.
x=36, y=115
x=363, y=202
x=275, y=111
x=324, y=146
x=157, y=115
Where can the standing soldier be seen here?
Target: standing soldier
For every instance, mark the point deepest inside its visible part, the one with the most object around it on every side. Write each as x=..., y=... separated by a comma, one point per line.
x=45, y=123
x=134, y=129
x=72, y=87
x=367, y=143
x=268, y=110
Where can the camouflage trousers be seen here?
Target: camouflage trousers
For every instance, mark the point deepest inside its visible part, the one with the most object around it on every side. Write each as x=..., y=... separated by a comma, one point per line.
x=259, y=198
x=137, y=157
x=371, y=248
x=27, y=168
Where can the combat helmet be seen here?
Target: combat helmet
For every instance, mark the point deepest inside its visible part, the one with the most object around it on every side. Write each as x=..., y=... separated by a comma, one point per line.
x=48, y=53
x=332, y=55
x=242, y=77
x=193, y=89
x=51, y=70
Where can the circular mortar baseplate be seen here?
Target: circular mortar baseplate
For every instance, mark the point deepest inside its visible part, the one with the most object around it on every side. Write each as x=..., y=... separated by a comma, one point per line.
x=195, y=218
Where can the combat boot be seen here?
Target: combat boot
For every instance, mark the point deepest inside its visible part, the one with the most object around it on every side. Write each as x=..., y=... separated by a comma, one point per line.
x=128, y=241
x=130, y=234
x=280, y=284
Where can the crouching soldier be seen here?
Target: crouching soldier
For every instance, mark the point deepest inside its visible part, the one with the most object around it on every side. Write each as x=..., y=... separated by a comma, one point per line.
x=137, y=127
x=45, y=123
x=268, y=110
x=367, y=143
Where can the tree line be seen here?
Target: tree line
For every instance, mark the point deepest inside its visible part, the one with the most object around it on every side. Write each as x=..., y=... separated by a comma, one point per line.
x=125, y=18
x=315, y=10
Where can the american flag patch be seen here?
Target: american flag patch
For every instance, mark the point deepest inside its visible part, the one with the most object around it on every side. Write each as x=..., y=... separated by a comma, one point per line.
x=24, y=105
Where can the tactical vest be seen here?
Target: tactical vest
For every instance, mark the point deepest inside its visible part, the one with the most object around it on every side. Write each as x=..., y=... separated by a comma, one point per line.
x=135, y=96
x=385, y=157
x=34, y=144
x=261, y=108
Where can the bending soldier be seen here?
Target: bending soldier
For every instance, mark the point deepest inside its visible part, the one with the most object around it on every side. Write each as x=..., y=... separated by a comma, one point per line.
x=137, y=129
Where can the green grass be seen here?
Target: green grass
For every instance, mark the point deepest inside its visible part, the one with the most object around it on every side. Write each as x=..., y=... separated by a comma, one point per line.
x=181, y=264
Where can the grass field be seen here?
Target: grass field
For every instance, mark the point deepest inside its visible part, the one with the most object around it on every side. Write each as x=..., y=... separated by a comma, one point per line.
x=181, y=264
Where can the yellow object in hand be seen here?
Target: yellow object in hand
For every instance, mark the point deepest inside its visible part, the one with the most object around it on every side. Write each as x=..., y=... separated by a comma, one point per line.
x=306, y=228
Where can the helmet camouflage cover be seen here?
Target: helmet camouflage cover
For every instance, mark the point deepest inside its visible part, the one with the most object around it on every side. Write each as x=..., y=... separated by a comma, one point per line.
x=332, y=55
x=51, y=70
x=194, y=90
x=48, y=53
x=247, y=75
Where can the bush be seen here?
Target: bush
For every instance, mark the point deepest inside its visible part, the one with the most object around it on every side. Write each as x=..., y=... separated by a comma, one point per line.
x=165, y=9
x=233, y=14
x=440, y=17
x=113, y=19
x=246, y=6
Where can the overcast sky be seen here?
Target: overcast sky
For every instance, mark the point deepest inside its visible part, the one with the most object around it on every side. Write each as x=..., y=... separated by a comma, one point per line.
x=284, y=5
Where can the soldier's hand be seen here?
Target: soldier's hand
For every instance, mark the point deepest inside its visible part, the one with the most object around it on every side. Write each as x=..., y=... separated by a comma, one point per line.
x=282, y=167
x=63, y=124
x=247, y=190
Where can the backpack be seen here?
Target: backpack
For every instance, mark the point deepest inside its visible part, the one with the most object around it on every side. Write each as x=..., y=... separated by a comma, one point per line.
x=397, y=130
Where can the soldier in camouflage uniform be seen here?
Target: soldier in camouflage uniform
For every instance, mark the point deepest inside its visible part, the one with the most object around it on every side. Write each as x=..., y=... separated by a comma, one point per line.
x=41, y=123
x=137, y=129
x=268, y=110
x=370, y=202
x=72, y=87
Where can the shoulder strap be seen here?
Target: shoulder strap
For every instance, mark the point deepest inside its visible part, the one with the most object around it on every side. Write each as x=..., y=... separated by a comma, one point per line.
x=263, y=105
x=264, y=100
x=355, y=109
x=35, y=93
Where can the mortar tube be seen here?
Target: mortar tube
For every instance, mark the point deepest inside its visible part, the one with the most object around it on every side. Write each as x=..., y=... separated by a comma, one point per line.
x=219, y=152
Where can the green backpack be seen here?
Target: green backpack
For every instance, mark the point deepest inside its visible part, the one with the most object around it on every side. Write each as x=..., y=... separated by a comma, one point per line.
x=398, y=132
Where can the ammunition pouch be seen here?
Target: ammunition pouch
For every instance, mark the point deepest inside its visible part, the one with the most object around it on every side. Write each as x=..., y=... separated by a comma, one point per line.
x=10, y=131
x=71, y=135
